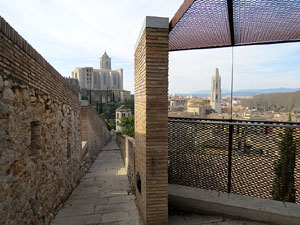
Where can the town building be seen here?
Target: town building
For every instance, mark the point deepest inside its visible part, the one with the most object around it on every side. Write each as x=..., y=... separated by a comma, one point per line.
x=177, y=104
x=199, y=106
x=121, y=112
x=215, y=94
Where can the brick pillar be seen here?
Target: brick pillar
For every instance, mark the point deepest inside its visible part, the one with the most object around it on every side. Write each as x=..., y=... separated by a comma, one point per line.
x=151, y=119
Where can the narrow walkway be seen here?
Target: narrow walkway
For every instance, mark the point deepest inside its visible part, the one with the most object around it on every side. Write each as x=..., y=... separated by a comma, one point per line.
x=102, y=195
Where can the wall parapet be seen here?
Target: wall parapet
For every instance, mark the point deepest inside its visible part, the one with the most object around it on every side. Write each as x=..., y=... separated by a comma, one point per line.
x=210, y=202
x=127, y=148
x=94, y=131
x=21, y=61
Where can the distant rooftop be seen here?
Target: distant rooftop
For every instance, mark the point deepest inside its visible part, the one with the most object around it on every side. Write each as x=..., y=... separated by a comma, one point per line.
x=122, y=108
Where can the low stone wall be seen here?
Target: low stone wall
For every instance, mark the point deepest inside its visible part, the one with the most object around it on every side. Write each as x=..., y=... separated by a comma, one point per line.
x=94, y=131
x=41, y=152
x=209, y=202
x=127, y=147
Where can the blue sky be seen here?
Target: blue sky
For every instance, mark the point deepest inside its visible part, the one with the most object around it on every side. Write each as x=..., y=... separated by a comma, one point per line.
x=71, y=33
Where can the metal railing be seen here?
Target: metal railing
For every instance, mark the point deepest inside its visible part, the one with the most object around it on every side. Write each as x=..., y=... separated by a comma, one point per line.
x=252, y=158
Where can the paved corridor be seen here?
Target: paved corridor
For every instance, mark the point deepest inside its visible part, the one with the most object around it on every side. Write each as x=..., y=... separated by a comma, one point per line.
x=102, y=194
x=102, y=198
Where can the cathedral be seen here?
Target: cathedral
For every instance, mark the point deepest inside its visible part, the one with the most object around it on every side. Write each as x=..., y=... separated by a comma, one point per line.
x=99, y=79
x=215, y=93
x=105, y=84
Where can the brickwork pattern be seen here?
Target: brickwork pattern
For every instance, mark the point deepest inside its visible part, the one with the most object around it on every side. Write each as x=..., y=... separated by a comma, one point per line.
x=151, y=124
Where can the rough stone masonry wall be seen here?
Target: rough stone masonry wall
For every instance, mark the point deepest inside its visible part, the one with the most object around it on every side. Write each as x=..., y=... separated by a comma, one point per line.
x=40, y=140
x=151, y=120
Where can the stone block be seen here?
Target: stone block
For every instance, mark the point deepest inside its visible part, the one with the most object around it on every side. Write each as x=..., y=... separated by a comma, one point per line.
x=115, y=217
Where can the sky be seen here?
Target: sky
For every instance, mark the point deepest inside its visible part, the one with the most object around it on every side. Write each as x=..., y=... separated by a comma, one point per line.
x=75, y=33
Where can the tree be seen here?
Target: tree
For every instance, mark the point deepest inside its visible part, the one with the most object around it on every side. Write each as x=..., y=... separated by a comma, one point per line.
x=100, y=107
x=128, y=125
x=283, y=184
x=84, y=97
x=109, y=110
x=129, y=103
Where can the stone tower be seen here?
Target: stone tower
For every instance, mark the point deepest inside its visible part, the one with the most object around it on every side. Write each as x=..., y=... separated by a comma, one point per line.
x=105, y=62
x=215, y=93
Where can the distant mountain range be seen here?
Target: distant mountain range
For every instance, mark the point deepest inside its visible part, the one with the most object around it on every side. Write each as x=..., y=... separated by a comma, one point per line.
x=247, y=92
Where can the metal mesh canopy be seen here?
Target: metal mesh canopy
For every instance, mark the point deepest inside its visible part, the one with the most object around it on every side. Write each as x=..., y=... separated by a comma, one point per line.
x=219, y=23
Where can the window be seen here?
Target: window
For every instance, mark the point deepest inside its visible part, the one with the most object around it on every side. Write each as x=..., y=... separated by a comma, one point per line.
x=104, y=79
x=35, y=138
x=115, y=80
x=69, y=138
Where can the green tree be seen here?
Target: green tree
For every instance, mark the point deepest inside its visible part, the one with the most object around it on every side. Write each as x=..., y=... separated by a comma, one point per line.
x=283, y=184
x=129, y=103
x=128, y=125
x=84, y=97
x=109, y=110
x=111, y=126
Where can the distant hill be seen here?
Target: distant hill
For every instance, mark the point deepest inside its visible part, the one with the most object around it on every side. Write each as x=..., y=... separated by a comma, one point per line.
x=247, y=92
x=278, y=102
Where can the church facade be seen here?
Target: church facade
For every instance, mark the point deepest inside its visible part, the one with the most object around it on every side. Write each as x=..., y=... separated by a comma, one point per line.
x=215, y=93
x=99, y=79
x=103, y=84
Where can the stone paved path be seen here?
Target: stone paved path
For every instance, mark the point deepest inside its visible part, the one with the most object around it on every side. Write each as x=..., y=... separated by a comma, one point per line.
x=102, y=198
x=102, y=195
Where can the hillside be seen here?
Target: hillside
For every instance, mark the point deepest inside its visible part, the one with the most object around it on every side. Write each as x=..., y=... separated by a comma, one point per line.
x=278, y=102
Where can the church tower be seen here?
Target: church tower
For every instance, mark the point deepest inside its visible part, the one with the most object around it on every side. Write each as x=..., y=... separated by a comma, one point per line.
x=105, y=62
x=215, y=93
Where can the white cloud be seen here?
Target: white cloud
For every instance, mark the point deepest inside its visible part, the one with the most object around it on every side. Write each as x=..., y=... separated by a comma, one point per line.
x=70, y=33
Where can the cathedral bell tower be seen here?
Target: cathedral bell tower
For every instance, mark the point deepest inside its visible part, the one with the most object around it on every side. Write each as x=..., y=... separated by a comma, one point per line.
x=105, y=62
x=215, y=93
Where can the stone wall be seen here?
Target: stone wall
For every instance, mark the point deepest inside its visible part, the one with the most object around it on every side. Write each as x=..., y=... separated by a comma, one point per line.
x=40, y=138
x=151, y=119
x=127, y=147
x=94, y=131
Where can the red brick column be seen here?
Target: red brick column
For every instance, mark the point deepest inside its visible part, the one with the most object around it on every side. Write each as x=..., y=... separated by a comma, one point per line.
x=151, y=119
